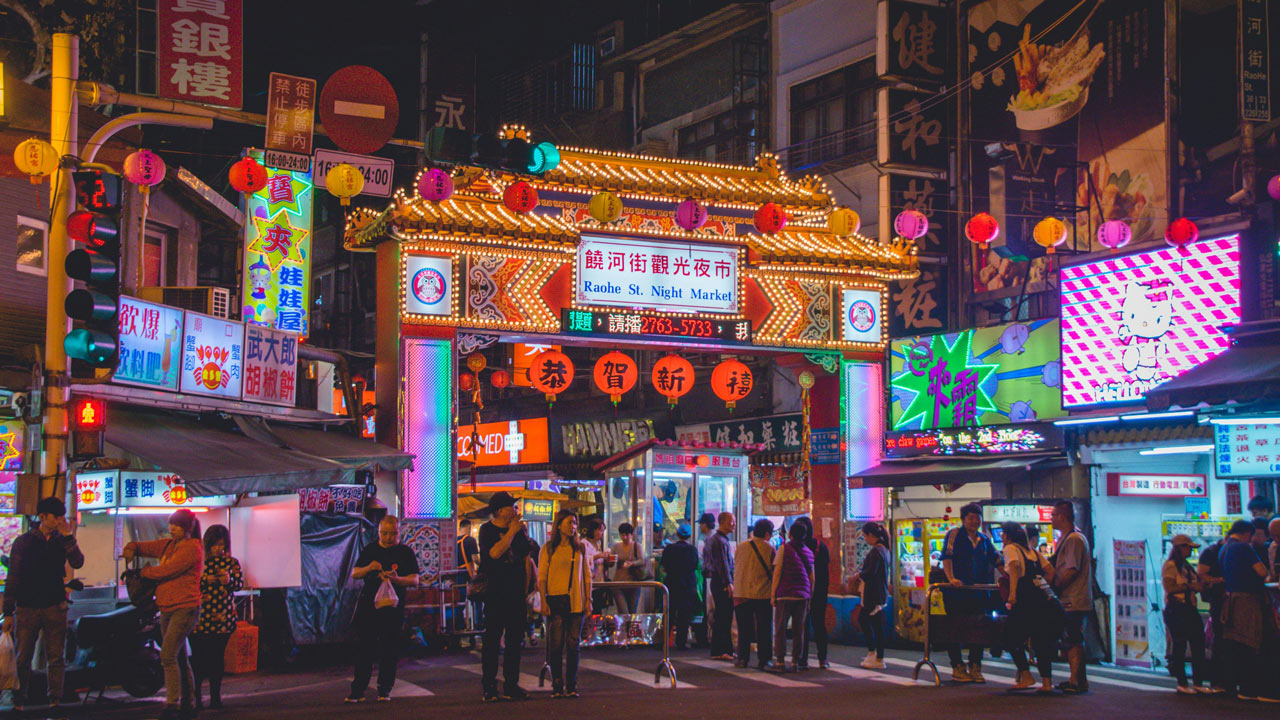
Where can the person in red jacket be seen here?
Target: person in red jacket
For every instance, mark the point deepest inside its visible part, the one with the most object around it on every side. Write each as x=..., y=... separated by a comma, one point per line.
x=178, y=597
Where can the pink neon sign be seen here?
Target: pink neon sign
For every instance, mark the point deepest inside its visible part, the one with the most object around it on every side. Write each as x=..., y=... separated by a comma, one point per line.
x=1131, y=323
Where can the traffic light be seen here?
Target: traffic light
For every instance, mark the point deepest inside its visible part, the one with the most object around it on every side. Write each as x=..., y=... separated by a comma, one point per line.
x=88, y=421
x=450, y=146
x=96, y=224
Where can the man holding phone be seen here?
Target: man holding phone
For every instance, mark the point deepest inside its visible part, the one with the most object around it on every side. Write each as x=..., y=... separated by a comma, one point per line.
x=504, y=555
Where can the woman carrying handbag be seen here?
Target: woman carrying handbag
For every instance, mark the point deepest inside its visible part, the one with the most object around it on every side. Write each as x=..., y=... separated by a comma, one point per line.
x=564, y=581
x=1035, y=613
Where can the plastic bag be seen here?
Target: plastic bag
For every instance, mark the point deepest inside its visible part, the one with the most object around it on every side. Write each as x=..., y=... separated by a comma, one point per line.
x=535, y=601
x=386, y=597
x=8, y=663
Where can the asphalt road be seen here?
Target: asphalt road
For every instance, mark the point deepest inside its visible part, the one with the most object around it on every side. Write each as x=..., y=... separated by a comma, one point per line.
x=619, y=684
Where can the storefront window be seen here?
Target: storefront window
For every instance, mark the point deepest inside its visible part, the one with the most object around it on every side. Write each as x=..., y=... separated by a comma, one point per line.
x=673, y=500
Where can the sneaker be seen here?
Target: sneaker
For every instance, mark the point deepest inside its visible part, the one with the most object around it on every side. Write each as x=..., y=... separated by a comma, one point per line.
x=1186, y=690
x=824, y=665
x=515, y=693
x=960, y=674
x=384, y=697
x=1215, y=690
x=354, y=699
x=770, y=666
x=557, y=691
x=975, y=673
x=491, y=696
x=871, y=662
x=571, y=693
x=725, y=656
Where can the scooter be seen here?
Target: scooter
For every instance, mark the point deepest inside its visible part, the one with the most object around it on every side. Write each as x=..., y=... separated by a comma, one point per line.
x=120, y=647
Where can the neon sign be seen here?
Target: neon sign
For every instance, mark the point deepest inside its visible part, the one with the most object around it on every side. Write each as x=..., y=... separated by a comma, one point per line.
x=277, y=259
x=1133, y=322
x=631, y=323
x=999, y=440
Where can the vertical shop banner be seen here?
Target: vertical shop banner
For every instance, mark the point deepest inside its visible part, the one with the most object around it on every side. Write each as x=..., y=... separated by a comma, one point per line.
x=277, y=260
x=915, y=42
x=862, y=421
x=270, y=366
x=212, y=356
x=97, y=490
x=291, y=116
x=12, y=445
x=987, y=376
x=1255, y=61
x=778, y=490
x=451, y=85
x=919, y=305
x=911, y=134
x=200, y=51
x=150, y=344
x=1132, y=645
x=930, y=196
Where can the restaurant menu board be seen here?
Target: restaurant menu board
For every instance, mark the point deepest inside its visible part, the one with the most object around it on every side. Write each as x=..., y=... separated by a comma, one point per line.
x=150, y=344
x=1132, y=646
x=212, y=356
x=1247, y=450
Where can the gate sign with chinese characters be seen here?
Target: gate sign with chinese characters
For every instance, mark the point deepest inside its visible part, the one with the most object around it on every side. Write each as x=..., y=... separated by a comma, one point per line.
x=200, y=51
x=150, y=344
x=781, y=433
x=146, y=488
x=1174, y=486
x=277, y=260
x=669, y=276
x=212, y=356
x=270, y=366
x=1247, y=450
x=96, y=490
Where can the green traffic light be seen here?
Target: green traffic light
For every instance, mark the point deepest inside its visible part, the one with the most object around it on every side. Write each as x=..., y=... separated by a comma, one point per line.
x=544, y=157
x=93, y=347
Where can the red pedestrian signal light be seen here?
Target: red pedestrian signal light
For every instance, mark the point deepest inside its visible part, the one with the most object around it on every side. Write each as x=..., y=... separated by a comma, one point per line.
x=93, y=229
x=88, y=415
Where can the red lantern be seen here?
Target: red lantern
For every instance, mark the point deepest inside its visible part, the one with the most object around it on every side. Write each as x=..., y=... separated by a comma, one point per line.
x=1181, y=232
x=770, y=219
x=731, y=380
x=615, y=374
x=247, y=176
x=520, y=197
x=552, y=373
x=466, y=382
x=981, y=230
x=673, y=377
x=500, y=378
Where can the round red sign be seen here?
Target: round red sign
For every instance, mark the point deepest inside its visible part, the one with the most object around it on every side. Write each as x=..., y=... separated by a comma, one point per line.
x=359, y=109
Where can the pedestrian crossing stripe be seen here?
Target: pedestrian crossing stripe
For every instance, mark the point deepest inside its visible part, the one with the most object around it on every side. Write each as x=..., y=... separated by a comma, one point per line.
x=766, y=678
x=639, y=677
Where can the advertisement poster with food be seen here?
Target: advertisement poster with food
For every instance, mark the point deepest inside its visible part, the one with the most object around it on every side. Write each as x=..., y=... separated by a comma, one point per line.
x=1055, y=87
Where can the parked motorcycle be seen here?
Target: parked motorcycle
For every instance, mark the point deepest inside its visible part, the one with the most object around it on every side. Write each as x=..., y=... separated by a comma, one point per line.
x=121, y=648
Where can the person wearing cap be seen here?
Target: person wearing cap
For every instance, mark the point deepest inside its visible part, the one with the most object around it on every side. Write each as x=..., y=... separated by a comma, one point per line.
x=680, y=567
x=1181, y=583
x=504, y=557
x=1244, y=622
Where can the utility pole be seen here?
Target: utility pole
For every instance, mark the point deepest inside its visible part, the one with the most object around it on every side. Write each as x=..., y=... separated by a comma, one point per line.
x=64, y=123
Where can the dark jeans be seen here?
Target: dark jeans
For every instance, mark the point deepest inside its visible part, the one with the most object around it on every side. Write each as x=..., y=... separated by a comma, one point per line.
x=504, y=621
x=29, y=625
x=1242, y=670
x=681, y=617
x=796, y=611
x=564, y=636
x=817, y=628
x=873, y=628
x=1029, y=623
x=755, y=623
x=208, y=660
x=1185, y=628
x=379, y=635
x=477, y=613
x=722, y=628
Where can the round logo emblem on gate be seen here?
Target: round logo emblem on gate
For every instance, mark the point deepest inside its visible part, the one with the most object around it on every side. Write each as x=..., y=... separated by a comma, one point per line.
x=428, y=286
x=862, y=316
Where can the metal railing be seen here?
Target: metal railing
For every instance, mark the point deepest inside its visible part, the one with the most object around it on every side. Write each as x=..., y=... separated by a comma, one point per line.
x=665, y=663
x=928, y=613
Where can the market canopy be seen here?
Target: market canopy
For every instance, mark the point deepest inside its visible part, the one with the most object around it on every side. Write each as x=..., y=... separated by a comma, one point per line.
x=952, y=472
x=216, y=461
x=343, y=447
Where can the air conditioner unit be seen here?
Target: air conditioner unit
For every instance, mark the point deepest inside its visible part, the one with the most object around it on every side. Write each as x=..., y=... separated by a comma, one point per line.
x=215, y=301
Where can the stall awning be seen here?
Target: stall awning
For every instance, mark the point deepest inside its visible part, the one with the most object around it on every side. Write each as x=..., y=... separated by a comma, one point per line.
x=946, y=472
x=343, y=447
x=1243, y=373
x=214, y=460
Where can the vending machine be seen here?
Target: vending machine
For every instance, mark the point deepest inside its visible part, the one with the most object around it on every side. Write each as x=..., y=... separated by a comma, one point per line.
x=919, y=544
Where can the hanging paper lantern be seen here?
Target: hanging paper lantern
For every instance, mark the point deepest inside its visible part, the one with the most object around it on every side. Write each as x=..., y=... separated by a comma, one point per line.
x=37, y=158
x=1181, y=232
x=843, y=222
x=911, y=224
x=476, y=362
x=520, y=197
x=551, y=372
x=981, y=230
x=144, y=169
x=466, y=382
x=500, y=378
x=247, y=176
x=691, y=214
x=770, y=219
x=1114, y=234
x=1273, y=187
x=731, y=381
x=435, y=185
x=615, y=374
x=344, y=182
x=1049, y=233
x=605, y=207
x=673, y=377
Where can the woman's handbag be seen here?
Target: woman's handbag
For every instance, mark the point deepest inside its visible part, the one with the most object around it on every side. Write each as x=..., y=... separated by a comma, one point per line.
x=141, y=591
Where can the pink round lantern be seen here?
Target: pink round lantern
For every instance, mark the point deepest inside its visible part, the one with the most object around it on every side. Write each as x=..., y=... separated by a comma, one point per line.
x=691, y=214
x=435, y=185
x=911, y=224
x=1114, y=234
x=144, y=168
x=1273, y=187
x=1181, y=232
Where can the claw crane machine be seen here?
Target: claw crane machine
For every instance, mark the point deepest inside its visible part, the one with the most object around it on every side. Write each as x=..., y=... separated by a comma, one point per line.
x=918, y=544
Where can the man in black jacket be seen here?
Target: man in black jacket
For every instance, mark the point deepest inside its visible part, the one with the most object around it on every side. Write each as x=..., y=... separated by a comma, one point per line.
x=680, y=564
x=35, y=597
